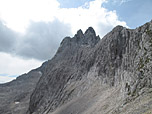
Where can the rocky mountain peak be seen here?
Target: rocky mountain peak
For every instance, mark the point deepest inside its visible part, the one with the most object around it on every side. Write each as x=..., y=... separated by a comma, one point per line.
x=89, y=39
x=69, y=45
x=90, y=30
x=80, y=34
x=117, y=28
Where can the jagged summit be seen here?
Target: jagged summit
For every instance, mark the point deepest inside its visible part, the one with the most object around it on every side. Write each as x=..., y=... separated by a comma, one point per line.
x=90, y=30
x=88, y=38
x=79, y=34
x=70, y=46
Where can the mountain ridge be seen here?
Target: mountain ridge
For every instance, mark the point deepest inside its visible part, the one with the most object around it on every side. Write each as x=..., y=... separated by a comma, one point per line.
x=115, y=60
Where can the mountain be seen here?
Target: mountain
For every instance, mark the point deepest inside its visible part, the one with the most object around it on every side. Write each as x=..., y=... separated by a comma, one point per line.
x=15, y=95
x=89, y=75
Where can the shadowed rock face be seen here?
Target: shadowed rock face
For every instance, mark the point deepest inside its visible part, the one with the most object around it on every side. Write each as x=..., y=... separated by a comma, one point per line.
x=74, y=81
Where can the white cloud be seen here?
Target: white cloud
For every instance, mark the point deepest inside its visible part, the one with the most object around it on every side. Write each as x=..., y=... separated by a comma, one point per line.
x=18, y=13
x=91, y=14
x=12, y=65
x=40, y=40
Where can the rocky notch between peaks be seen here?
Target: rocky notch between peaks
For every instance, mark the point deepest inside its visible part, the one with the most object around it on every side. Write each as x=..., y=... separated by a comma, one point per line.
x=89, y=75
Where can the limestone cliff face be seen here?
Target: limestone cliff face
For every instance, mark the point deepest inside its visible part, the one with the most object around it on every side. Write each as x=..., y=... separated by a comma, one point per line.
x=91, y=76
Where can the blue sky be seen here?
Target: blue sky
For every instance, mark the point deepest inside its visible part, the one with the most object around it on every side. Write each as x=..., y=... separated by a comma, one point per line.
x=72, y=3
x=133, y=12
x=31, y=30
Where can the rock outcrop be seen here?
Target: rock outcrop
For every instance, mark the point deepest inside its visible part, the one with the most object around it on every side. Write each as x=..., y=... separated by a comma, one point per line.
x=91, y=76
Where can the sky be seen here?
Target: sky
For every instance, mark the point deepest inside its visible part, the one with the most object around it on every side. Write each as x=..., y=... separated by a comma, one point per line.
x=31, y=30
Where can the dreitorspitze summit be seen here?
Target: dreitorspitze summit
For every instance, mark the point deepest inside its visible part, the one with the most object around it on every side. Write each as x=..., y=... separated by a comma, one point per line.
x=88, y=75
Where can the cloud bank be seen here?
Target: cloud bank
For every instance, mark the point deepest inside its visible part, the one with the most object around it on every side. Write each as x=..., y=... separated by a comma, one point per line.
x=90, y=14
x=40, y=40
x=32, y=30
x=7, y=38
x=12, y=65
x=42, y=36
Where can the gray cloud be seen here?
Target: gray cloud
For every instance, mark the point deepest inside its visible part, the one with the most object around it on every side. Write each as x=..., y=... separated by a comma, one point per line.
x=7, y=38
x=40, y=41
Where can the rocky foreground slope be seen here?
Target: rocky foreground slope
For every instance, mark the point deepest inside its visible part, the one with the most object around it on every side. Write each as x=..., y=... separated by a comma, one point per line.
x=92, y=76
